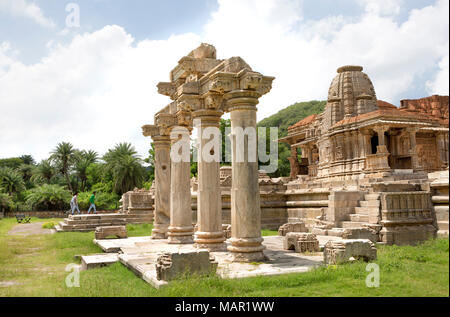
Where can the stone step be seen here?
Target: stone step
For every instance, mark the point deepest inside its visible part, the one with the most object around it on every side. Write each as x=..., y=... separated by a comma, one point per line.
x=367, y=210
x=352, y=224
x=372, y=196
x=369, y=203
x=440, y=199
x=441, y=209
x=359, y=218
x=443, y=225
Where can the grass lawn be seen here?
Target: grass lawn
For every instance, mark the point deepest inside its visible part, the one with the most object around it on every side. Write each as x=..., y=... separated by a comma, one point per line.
x=35, y=266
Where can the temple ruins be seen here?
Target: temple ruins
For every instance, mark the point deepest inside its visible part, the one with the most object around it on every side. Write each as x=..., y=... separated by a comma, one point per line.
x=363, y=172
x=203, y=87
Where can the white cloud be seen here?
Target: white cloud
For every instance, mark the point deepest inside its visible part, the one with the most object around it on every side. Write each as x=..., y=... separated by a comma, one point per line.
x=95, y=92
x=440, y=84
x=26, y=9
x=382, y=7
x=304, y=56
x=101, y=88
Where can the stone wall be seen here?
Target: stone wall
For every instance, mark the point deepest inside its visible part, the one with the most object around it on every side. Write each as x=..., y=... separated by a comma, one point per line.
x=38, y=214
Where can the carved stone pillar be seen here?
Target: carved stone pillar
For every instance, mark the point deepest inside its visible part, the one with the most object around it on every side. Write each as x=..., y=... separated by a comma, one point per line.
x=380, y=130
x=209, y=210
x=293, y=160
x=180, y=229
x=442, y=141
x=162, y=180
x=246, y=241
x=413, y=150
x=310, y=152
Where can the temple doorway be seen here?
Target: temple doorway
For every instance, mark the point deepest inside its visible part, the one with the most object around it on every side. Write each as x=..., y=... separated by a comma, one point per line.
x=374, y=143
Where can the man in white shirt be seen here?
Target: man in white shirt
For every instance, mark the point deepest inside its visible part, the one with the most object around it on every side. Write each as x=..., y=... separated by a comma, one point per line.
x=74, y=203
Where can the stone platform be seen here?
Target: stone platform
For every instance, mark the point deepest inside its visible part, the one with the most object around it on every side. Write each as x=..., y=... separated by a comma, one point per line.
x=88, y=222
x=139, y=254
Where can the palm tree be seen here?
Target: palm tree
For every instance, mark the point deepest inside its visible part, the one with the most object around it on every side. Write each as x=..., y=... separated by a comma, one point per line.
x=45, y=170
x=11, y=180
x=125, y=167
x=90, y=156
x=121, y=149
x=50, y=197
x=128, y=173
x=81, y=171
x=64, y=156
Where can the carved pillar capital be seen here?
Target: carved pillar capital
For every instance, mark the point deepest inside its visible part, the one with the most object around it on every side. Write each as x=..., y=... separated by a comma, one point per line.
x=241, y=100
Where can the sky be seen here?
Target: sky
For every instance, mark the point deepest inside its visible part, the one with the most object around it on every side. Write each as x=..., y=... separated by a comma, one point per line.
x=92, y=81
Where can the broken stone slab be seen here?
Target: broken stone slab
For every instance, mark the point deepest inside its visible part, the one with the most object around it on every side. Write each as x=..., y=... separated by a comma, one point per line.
x=292, y=227
x=173, y=265
x=98, y=260
x=301, y=242
x=104, y=232
x=340, y=251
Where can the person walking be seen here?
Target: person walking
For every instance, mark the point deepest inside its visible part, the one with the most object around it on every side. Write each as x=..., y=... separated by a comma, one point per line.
x=74, y=204
x=92, y=201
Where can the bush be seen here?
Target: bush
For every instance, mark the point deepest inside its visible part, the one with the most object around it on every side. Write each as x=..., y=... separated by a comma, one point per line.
x=103, y=200
x=6, y=202
x=48, y=225
x=49, y=197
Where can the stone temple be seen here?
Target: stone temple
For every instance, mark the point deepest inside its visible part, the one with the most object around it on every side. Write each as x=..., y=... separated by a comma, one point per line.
x=364, y=164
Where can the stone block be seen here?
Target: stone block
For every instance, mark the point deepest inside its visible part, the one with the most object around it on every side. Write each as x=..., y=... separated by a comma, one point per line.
x=103, y=232
x=301, y=242
x=170, y=266
x=98, y=260
x=292, y=227
x=341, y=251
x=360, y=233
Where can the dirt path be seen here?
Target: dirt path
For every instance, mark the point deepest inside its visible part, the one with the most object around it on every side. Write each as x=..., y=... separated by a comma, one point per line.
x=27, y=229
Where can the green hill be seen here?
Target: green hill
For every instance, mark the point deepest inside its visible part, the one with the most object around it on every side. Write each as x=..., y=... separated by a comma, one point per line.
x=292, y=114
x=285, y=118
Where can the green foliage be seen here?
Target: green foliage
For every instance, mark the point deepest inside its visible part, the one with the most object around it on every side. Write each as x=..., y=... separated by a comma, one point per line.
x=64, y=156
x=11, y=180
x=285, y=118
x=125, y=166
x=28, y=160
x=6, y=202
x=103, y=200
x=13, y=162
x=44, y=172
x=151, y=161
x=48, y=197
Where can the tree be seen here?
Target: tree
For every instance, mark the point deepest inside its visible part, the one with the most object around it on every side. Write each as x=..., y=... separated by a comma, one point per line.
x=81, y=171
x=64, y=156
x=125, y=167
x=11, y=180
x=128, y=173
x=28, y=160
